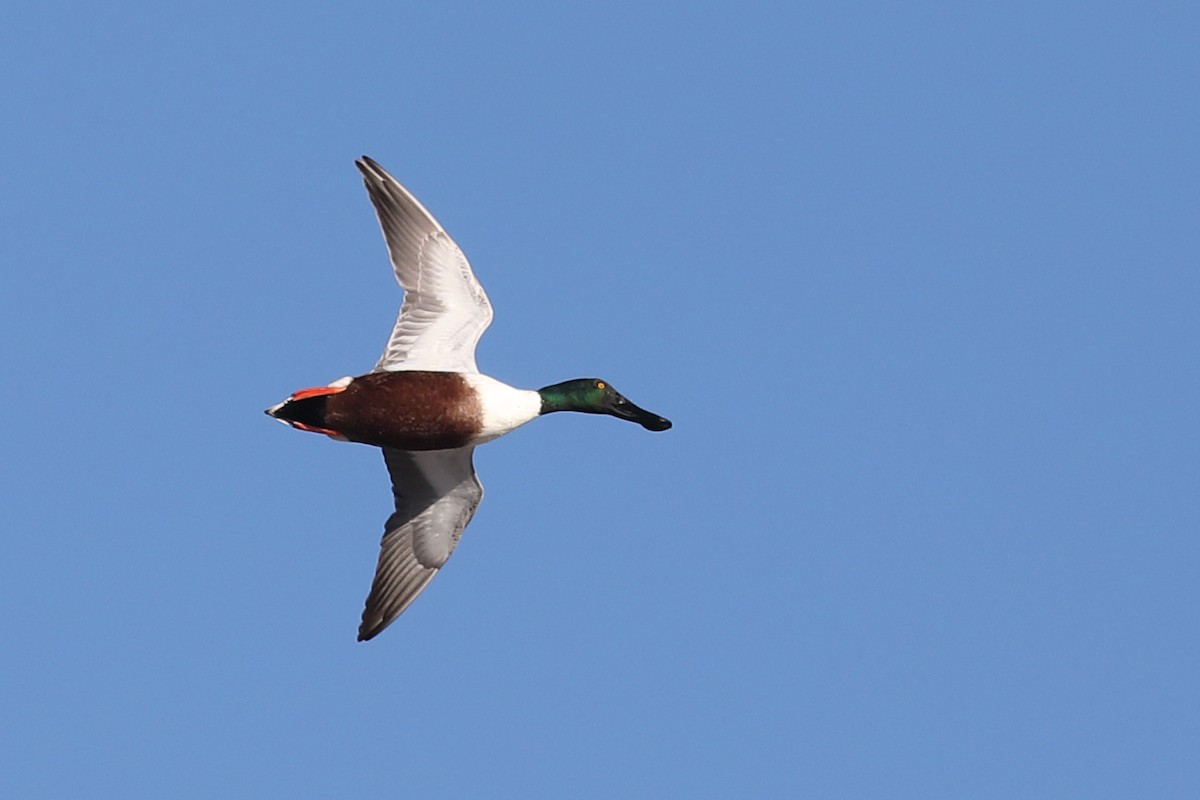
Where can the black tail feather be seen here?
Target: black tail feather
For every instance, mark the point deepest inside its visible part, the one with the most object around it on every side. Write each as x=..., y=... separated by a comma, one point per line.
x=310, y=411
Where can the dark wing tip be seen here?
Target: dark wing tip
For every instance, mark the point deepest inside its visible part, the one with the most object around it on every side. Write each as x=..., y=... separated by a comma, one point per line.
x=371, y=629
x=369, y=166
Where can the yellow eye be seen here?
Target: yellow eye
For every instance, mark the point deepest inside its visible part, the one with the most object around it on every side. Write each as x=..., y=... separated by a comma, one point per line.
x=599, y=384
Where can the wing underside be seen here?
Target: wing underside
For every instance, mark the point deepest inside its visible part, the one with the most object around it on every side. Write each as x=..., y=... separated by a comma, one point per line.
x=436, y=494
x=445, y=310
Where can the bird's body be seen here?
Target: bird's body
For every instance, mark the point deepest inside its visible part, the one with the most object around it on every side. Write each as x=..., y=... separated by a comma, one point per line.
x=413, y=409
x=427, y=405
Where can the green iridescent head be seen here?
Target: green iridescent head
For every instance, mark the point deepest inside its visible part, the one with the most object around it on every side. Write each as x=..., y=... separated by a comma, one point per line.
x=594, y=396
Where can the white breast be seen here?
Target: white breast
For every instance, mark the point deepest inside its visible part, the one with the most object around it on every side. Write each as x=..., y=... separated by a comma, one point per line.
x=505, y=408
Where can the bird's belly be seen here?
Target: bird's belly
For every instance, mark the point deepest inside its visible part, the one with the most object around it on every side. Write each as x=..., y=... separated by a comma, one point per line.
x=406, y=410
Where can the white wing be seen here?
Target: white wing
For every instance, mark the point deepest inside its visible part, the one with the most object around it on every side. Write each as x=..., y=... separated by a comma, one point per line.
x=436, y=495
x=445, y=310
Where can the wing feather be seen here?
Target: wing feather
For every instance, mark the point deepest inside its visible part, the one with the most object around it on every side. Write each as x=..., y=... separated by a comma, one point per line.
x=445, y=310
x=436, y=494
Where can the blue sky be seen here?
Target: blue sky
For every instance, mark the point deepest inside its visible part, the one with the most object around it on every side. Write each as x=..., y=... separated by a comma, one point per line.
x=917, y=283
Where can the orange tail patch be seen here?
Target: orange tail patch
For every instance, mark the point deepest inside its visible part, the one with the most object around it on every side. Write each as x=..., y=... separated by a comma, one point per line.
x=315, y=429
x=316, y=391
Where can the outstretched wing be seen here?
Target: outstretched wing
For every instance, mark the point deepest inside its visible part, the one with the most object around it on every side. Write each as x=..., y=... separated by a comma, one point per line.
x=445, y=310
x=436, y=494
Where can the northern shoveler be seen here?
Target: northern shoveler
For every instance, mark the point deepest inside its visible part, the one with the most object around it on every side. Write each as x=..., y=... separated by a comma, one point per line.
x=427, y=405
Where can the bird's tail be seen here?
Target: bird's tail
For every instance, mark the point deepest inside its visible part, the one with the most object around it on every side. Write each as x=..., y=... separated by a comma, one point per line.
x=306, y=409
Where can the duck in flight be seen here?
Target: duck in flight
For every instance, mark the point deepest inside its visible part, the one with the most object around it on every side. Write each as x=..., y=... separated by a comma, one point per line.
x=427, y=406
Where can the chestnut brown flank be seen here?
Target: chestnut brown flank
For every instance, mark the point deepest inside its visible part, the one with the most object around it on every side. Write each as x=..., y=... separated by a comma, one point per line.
x=409, y=410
